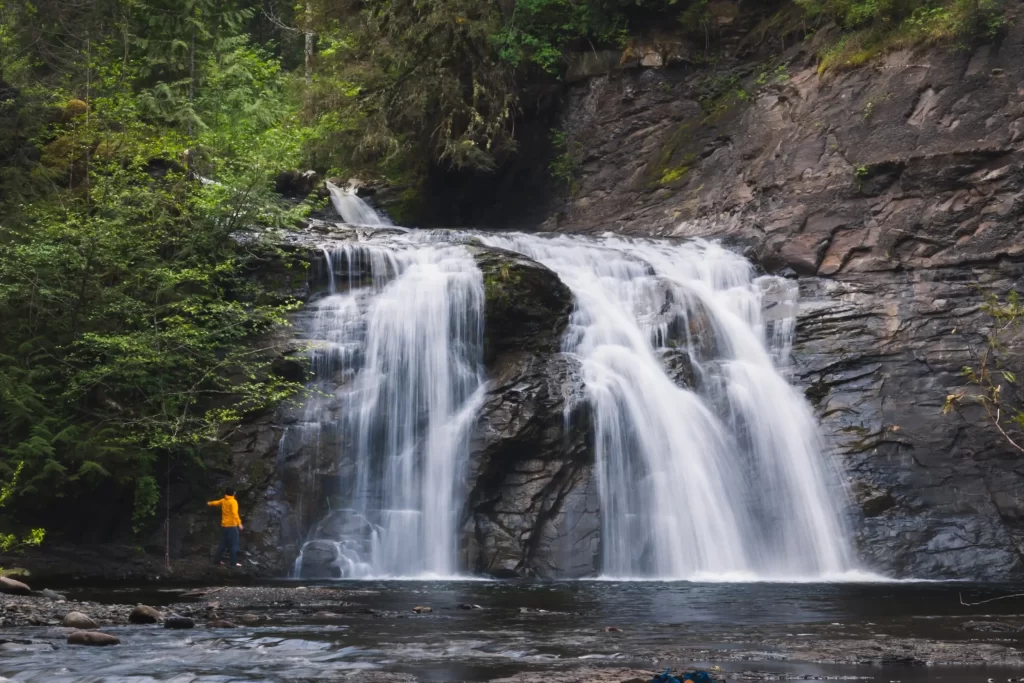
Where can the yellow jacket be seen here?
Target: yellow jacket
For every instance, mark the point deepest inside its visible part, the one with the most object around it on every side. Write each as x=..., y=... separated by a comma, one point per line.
x=228, y=511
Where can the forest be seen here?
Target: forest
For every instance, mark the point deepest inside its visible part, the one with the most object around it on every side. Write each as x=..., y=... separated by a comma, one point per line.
x=140, y=143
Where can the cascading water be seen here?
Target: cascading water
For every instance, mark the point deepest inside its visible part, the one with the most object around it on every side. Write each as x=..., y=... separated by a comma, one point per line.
x=396, y=350
x=352, y=209
x=709, y=463
x=723, y=478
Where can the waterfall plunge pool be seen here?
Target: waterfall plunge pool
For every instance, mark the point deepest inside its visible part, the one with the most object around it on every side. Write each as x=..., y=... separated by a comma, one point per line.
x=566, y=631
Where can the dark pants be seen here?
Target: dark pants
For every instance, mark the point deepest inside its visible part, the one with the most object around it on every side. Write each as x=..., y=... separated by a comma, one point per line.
x=229, y=542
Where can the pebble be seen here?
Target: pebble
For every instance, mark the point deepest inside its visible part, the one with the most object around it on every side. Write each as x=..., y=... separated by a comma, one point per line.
x=52, y=595
x=79, y=621
x=92, y=638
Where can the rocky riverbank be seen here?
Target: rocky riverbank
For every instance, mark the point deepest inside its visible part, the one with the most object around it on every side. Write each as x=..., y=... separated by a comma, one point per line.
x=259, y=611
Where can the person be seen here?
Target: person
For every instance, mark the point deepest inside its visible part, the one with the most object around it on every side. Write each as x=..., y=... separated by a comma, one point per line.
x=230, y=525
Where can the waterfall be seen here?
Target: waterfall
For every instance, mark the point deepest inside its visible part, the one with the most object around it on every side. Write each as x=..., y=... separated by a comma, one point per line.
x=708, y=460
x=396, y=348
x=352, y=209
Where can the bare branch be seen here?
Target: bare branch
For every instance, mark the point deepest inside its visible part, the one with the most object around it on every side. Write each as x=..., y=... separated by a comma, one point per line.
x=1001, y=597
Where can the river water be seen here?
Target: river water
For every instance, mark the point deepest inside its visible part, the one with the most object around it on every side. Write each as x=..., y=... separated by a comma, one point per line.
x=755, y=631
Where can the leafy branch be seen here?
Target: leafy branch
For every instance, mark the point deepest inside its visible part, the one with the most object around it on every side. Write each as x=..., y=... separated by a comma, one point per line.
x=10, y=541
x=995, y=384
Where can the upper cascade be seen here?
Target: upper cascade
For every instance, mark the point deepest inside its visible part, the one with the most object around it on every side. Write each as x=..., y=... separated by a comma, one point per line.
x=352, y=209
x=708, y=462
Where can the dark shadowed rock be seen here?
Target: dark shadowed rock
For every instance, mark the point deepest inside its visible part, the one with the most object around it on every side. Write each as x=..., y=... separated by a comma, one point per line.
x=296, y=184
x=177, y=621
x=533, y=508
x=94, y=638
x=319, y=560
x=527, y=307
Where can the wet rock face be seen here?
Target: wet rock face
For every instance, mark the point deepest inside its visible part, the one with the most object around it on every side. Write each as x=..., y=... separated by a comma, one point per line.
x=895, y=195
x=533, y=509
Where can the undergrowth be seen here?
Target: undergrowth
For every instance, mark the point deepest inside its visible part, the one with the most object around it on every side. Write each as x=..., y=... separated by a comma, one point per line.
x=873, y=28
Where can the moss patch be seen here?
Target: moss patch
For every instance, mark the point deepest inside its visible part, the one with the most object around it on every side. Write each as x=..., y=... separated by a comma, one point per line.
x=874, y=33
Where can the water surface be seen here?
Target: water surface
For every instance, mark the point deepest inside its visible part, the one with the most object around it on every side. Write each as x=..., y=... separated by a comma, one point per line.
x=524, y=626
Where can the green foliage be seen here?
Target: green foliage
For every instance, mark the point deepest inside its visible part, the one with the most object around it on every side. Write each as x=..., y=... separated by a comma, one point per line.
x=10, y=541
x=539, y=31
x=992, y=376
x=131, y=314
x=404, y=83
x=564, y=167
x=878, y=26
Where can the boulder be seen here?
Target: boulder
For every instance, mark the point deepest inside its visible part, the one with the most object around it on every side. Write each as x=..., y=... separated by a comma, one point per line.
x=94, y=638
x=12, y=587
x=177, y=621
x=527, y=306
x=143, y=614
x=79, y=621
x=422, y=609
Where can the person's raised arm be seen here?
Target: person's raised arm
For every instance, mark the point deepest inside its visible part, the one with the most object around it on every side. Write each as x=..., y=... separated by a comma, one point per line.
x=216, y=503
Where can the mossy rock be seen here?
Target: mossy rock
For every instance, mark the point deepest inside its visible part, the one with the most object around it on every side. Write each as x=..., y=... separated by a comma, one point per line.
x=527, y=306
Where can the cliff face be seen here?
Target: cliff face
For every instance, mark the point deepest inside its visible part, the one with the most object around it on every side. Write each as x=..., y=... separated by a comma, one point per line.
x=895, y=194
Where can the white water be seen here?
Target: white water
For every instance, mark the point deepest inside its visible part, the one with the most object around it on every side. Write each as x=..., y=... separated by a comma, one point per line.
x=397, y=348
x=722, y=479
x=711, y=473
x=352, y=209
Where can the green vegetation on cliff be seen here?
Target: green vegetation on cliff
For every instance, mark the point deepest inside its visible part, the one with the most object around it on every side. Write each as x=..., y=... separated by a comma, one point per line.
x=873, y=27
x=136, y=165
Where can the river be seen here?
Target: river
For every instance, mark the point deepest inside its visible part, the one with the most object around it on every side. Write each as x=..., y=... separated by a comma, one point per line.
x=484, y=630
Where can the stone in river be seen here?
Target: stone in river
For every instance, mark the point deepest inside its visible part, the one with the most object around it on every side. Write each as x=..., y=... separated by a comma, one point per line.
x=178, y=621
x=220, y=623
x=79, y=620
x=422, y=609
x=52, y=595
x=144, y=614
x=92, y=638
